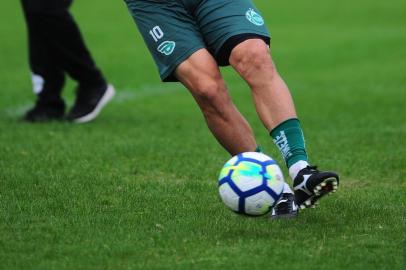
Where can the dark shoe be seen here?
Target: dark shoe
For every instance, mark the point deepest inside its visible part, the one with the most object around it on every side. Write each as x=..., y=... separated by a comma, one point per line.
x=285, y=207
x=89, y=102
x=45, y=112
x=310, y=185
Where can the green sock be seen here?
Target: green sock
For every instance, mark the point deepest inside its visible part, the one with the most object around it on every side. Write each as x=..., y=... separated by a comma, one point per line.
x=288, y=136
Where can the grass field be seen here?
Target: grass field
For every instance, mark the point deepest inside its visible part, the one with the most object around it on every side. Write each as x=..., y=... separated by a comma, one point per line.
x=136, y=189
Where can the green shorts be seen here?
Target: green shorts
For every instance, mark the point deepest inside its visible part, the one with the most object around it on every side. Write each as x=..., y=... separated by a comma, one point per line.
x=175, y=29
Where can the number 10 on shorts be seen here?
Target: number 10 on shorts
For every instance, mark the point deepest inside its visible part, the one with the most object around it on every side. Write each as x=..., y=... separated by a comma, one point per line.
x=156, y=33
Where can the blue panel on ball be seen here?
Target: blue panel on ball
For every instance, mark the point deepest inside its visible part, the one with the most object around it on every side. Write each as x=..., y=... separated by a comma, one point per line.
x=264, y=163
x=241, y=205
x=233, y=186
x=272, y=193
x=253, y=191
x=268, y=162
x=227, y=178
x=239, y=158
x=224, y=180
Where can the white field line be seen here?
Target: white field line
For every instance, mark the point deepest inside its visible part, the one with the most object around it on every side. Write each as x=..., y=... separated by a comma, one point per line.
x=147, y=90
x=18, y=110
x=122, y=95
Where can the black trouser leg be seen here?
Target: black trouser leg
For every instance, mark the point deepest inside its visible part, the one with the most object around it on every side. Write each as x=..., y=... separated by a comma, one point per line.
x=56, y=46
x=41, y=59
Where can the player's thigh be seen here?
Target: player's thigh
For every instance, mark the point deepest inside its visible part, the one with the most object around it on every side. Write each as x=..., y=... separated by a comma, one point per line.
x=169, y=31
x=227, y=23
x=201, y=75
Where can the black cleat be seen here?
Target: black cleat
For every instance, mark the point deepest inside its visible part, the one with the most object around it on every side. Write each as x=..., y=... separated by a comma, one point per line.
x=285, y=207
x=310, y=185
x=45, y=111
x=89, y=102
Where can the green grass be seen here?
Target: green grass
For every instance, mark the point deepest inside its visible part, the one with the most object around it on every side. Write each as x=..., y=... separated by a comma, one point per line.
x=136, y=189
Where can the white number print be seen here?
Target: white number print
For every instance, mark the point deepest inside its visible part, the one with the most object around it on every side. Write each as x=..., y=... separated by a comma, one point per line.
x=156, y=33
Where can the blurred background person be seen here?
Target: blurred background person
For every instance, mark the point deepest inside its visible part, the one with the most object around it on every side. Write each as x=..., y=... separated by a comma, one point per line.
x=56, y=48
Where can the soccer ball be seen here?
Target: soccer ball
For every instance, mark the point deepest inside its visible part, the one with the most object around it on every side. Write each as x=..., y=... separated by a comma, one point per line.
x=251, y=183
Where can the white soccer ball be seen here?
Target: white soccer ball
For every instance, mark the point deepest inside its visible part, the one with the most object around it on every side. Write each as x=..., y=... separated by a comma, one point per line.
x=251, y=183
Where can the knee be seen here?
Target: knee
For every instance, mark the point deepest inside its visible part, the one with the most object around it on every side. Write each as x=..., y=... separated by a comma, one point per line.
x=209, y=91
x=250, y=57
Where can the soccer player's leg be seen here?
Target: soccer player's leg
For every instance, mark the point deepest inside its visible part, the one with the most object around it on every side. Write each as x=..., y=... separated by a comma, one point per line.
x=200, y=74
x=251, y=59
x=178, y=48
x=224, y=25
x=236, y=34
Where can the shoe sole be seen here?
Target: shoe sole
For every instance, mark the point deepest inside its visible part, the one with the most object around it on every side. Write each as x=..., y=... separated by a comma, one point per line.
x=327, y=187
x=108, y=95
